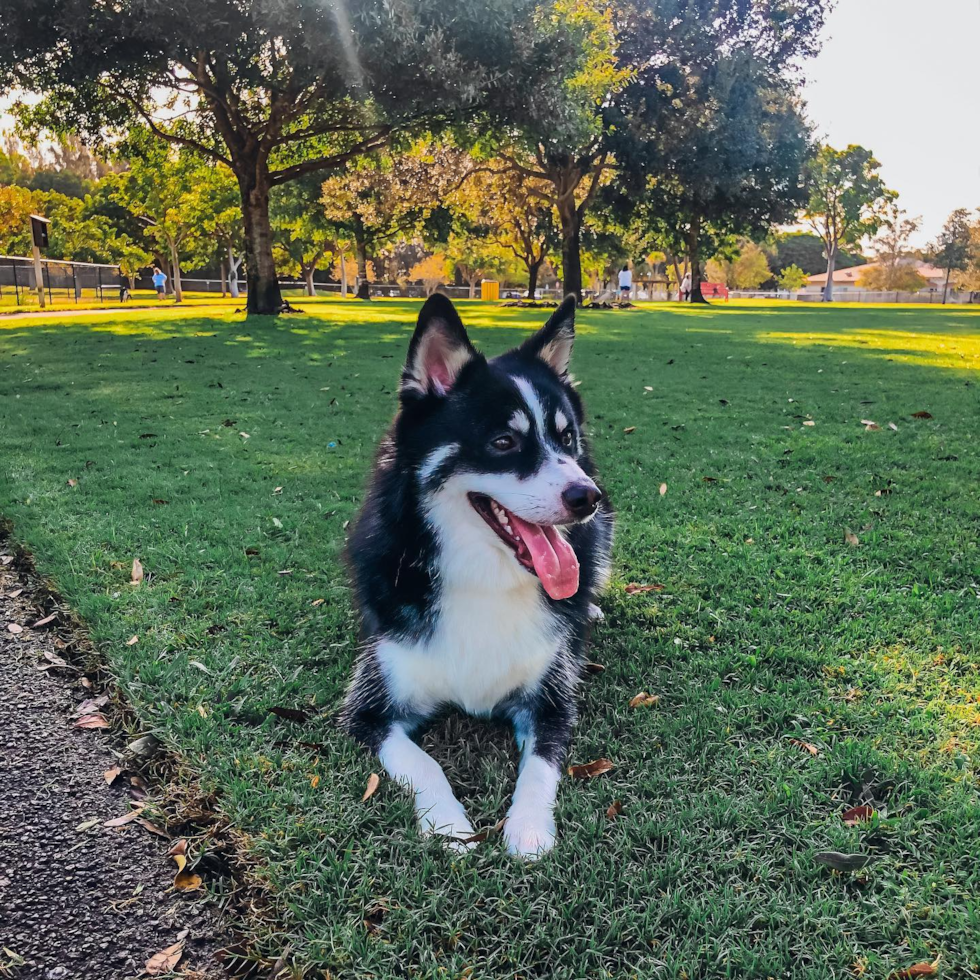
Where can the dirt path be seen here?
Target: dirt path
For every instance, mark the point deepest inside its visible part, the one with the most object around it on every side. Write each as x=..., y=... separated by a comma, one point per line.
x=78, y=900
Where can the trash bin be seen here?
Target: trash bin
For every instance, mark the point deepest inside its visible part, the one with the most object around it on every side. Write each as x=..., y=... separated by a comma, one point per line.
x=489, y=289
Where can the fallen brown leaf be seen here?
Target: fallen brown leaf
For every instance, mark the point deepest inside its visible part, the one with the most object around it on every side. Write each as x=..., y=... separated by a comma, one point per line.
x=644, y=700
x=166, y=960
x=91, y=705
x=374, y=781
x=591, y=668
x=187, y=881
x=634, y=587
x=137, y=574
x=111, y=775
x=73, y=483
x=917, y=970
x=629, y=430
x=482, y=835
x=153, y=828
x=590, y=769
x=290, y=714
x=663, y=489
x=160, y=502
x=615, y=809
x=809, y=422
x=14, y=628
x=851, y=538
x=45, y=621
x=806, y=746
x=317, y=602
x=14, y=594
x=872, y=427
x=132, y=641
x=893, y=426
x=124, y=819
x=92, y=721
x=856, y=815
x=843, y=862
x=53, y=660
x=709, y=479
x=922, y=415
x=179, y=847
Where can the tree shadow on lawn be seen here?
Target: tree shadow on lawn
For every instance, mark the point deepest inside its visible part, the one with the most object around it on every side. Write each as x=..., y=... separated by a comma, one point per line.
x=772, y=635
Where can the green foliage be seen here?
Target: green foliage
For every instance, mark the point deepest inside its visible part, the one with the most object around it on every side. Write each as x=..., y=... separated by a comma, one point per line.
x=791, y=277
x=847, y=197
x=749, y=269
x=807, y=250
x=951, y=249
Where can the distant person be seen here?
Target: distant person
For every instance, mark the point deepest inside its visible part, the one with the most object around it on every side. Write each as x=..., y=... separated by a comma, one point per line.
x=625, y=284
x=123, y=288
x=160, y=282
x=686, y=288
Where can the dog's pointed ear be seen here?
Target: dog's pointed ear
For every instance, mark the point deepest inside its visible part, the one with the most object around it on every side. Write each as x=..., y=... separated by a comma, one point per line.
x=439, y=350
x=553, y=342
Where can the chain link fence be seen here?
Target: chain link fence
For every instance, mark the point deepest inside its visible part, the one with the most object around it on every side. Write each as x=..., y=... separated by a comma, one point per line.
x=62, y=281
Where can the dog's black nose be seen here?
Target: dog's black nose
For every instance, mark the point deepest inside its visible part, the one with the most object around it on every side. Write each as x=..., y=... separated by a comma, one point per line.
x=581, y=499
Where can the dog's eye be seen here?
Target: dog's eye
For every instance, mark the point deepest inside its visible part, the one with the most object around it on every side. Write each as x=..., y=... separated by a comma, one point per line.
x=504, y=443
x=568, y=439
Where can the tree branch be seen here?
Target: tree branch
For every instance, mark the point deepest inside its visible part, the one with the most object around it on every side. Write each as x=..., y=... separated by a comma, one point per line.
x=331, y=162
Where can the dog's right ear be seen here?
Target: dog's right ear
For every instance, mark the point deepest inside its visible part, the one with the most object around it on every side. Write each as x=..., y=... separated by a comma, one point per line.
x=439, y=350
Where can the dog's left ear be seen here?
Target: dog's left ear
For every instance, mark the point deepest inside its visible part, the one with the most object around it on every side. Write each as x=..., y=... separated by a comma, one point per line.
x=439, y=349
x=553, y=342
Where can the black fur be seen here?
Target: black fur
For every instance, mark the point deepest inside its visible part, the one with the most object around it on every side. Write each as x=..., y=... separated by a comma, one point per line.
x=394, y=554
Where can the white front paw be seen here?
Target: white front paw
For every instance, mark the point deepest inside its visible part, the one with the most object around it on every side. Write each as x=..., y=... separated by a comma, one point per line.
x=529, y=835
x=446, y=818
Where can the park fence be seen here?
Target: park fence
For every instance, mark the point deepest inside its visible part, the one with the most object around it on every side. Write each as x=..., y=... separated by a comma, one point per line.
x=933, y=297
x=78, y=281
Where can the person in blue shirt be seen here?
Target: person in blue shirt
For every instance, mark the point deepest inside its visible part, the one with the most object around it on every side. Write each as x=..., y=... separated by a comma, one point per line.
x=160, y=282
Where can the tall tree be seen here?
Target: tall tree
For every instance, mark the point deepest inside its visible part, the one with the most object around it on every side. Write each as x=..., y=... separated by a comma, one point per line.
x=272, y=90
x=303, y=236
x=562, y=136
x=384, y=196
x=160, y=189
x=708, y=136
x=894, y=267
x=951, y=249
x=847, y=201
x=511, y=210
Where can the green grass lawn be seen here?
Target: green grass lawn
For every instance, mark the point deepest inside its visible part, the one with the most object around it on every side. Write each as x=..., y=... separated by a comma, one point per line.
x=771, y=630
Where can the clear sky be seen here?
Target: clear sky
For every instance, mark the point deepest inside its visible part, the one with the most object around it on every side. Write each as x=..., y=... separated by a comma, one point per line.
x=902, y=77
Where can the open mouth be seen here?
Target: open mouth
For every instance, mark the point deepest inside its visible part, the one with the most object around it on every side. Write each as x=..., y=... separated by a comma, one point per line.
x=538, y=547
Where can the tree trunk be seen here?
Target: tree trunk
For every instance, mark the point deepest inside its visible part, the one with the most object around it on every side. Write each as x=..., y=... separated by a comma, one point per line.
x=360, y=246
x=233, y=265
x=571, y=248
x=175, y=265
x=343, y=274
x=472, y=285
x=308, y=276
x=532, y=277
x=946, y=286
x=694, y=256
x=224, y=278
x=264, y=295
x=828, y=290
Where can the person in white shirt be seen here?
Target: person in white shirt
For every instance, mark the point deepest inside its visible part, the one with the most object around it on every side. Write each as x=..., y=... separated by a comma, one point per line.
x=686, y=288
x=625, y=284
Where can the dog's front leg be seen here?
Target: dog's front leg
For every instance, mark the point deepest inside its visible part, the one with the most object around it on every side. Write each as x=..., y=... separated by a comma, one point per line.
x=543, y=734
x=438, y=810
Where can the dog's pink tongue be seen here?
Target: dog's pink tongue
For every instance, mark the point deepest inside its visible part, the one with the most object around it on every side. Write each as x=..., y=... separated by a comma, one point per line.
x=552, y=556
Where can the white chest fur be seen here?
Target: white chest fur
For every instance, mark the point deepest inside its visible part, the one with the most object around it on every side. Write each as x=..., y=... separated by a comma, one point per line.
x=486, y=645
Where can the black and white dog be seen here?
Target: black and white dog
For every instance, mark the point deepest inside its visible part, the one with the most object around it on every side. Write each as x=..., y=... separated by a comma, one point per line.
x=481, y=546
